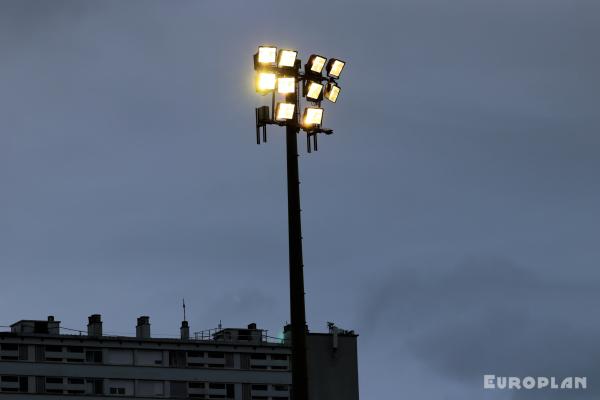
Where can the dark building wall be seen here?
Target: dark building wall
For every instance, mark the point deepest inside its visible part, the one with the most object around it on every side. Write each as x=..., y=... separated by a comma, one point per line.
x=332, y=373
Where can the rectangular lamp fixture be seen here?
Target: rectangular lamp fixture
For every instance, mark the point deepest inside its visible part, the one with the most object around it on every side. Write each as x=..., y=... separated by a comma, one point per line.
x=287, y=58
x=265, y=82
x=334, y=68
x=332, y=91
x=314, y=91
x=316, y=64
x=312, y=116
x=266, y=54
x=284, y=111
x=286, y=85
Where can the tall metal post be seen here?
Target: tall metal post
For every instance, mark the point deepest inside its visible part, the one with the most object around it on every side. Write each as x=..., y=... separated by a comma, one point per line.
x=297, y=310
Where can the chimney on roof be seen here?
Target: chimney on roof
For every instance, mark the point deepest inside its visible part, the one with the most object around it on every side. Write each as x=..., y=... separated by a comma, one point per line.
x=95, y=325
x=142, y=330
x=53, y=326
x=185, y=330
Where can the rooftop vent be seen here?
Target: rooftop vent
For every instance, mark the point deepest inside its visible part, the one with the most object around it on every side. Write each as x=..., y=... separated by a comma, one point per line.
x=95, y=325
x=185, y=330
x=142, y=330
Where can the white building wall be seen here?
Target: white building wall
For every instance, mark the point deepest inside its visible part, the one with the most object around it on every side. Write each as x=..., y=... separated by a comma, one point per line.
x=150, y=388
x=119, y=356
x=149, y=357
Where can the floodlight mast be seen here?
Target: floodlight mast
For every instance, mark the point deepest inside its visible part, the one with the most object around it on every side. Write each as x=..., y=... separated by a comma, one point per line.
x=296, y=264
x=297, y=307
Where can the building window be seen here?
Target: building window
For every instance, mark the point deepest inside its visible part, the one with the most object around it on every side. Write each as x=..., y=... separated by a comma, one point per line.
x=258, y=356
x=216, y=386
x=230, y=391
x=97, y=385
x=93, y=356
x=280, y=388
x=9, y=347
x=259, y=387
x=215, y=354
x=54, y=349
x=196, y=385
x=9, y=378
x=117, y=390
x=23, y=384
x=75, y=381
x=195, y=354
x=54, y=380
x=280, y=357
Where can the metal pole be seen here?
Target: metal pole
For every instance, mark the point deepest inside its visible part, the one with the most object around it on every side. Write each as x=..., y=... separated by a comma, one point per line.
x=297, y=311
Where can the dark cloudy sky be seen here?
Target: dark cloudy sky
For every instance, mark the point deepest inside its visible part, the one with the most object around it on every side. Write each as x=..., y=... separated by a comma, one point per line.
x=452, y=219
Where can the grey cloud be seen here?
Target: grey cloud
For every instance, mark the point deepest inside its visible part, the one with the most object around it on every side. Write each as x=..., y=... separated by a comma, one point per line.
x=488, y=315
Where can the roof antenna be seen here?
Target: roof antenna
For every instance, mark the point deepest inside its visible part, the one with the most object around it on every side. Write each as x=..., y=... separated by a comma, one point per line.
x=184, y=310
x=220, y=326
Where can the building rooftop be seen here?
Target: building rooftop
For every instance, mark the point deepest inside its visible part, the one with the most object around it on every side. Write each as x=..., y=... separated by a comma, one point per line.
x=51, y=328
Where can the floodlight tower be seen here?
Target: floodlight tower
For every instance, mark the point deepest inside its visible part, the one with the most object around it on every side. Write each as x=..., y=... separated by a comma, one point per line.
x=279, y=71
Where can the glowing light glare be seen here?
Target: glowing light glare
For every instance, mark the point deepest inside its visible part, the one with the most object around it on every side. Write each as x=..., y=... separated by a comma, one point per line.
x=287, y=58
x=334, y=68
x=314, y=91
x=313, y=116
x=266, y=81
x=332, y=92
x=285, y=111
x=317, y=63
x=286, y=85
x=266, y=54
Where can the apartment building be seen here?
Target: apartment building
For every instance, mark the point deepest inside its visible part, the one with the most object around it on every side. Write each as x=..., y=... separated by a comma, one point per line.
x=38, y=359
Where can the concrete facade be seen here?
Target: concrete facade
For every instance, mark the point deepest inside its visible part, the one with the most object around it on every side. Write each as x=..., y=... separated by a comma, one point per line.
x=332, y=366
x=231, y=363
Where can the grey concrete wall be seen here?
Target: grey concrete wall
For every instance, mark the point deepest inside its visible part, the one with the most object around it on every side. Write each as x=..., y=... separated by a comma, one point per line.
x=151, y=373
x=332, y=373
